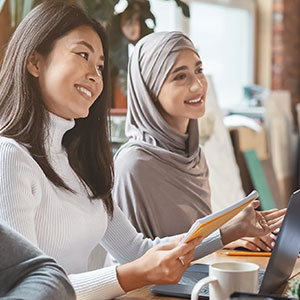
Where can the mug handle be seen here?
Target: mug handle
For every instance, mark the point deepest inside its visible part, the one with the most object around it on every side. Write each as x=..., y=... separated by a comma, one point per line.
x=198, y=286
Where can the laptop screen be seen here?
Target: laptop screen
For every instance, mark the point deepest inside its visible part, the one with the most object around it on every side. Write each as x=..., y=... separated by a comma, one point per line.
x=285, y=252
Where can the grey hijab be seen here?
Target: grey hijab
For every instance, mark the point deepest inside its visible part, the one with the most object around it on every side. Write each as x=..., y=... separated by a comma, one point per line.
x=156, y=155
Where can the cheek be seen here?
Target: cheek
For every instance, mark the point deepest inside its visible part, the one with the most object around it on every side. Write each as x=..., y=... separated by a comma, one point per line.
x=204, y=83
x=54, y=86
x=171, y=95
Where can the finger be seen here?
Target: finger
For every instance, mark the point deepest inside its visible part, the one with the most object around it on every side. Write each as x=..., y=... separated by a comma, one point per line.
x=275, y=225
x=184, y=248
x=273, y=214
x=268, y=240
x=178, y=238
x=274, y=221
x=186, y=259
x=261, y=245
x=167, y=245
x=255, y=204
x=250, y=246
x=273, y=236
x=272, y=244
x=255, y=241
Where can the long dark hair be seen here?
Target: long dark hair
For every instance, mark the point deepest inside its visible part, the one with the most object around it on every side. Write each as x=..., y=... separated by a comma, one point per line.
x=23, y=114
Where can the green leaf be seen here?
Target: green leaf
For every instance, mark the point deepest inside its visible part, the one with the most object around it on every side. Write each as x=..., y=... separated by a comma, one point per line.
x=13, y=12
x=28, y=4
x=184, y=7
x=100, y=9
x=19, y=6
x=2, y=2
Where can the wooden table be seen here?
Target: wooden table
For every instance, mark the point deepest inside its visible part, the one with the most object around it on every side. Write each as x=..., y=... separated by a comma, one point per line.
x=218, y=256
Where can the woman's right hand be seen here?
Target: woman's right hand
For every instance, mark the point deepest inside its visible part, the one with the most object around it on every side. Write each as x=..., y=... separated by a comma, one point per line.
x=159, y=265
x=252, y=223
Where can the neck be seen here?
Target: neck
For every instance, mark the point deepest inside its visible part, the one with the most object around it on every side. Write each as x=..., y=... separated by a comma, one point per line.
x=58, y=127
x=179, y=124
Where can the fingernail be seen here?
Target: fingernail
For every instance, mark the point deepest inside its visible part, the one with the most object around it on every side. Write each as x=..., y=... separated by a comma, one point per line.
x=272, y=244
x=269, y=249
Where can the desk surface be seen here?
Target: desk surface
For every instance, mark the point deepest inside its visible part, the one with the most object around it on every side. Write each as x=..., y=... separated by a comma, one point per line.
x=218, y=256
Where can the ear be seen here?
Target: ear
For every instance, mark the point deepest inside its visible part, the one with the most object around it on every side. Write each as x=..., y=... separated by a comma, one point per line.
x=33, y=63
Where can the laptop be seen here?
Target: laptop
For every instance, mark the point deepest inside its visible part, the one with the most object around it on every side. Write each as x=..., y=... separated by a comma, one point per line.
x=273, y=279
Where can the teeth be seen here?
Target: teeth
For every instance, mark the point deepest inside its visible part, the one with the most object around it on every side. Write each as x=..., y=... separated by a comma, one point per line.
x=82, y=89
x=194, y=101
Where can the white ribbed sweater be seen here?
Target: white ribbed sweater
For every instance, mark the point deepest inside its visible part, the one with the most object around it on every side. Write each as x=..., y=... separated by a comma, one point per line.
x=65, y=225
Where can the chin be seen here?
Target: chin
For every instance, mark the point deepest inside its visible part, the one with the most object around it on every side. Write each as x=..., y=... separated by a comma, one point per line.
x=81, y=114
x=198, y=115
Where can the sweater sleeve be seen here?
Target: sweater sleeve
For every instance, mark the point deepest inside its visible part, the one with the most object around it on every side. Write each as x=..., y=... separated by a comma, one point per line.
x=125, y=244
x=19, y=195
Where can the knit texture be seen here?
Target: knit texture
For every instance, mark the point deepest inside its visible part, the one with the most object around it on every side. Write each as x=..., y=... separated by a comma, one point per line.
x=66, y=225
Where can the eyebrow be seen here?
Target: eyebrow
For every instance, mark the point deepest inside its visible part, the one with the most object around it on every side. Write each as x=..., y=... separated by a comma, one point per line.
x=185, y=67
x=90, y=47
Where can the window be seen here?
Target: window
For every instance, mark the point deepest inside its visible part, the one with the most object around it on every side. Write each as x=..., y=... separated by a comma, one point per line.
x=223, y=33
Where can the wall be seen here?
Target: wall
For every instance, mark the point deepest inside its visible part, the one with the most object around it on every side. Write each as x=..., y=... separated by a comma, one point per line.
x=263, y=65
x=286, y=48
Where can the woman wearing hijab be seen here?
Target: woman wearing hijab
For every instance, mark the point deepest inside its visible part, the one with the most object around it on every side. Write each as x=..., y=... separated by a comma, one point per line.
x=161, y=176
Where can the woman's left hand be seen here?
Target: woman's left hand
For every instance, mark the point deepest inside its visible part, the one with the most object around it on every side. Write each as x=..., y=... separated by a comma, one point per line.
x=261, y=243
x=252, y=223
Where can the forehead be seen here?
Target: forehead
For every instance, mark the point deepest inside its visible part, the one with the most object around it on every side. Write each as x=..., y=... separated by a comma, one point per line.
x=82, y=33
x=186, y=56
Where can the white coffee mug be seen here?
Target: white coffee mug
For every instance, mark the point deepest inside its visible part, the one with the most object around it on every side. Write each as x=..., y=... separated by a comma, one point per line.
x=228, y=277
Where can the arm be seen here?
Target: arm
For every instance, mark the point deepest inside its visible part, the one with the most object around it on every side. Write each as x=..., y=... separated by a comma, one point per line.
x=125, y=244
x=20, y=196
x=132, y=250
x=19, y=190
x=26, y=273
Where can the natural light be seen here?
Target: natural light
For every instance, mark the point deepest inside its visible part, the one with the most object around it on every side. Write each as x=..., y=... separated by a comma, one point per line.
x=224, y=37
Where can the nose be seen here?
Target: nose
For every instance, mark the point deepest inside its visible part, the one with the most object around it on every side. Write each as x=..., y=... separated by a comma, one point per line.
x=196, y=84
x=94, y=74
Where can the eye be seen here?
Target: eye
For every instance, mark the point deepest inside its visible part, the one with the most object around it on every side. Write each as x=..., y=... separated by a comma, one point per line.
x=84, y=55
x=180, y=77
x=199, y=71
x=100, y=68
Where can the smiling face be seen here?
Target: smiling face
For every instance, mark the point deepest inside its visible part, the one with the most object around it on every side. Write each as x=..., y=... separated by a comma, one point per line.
x=182, y=95
x=70, y=76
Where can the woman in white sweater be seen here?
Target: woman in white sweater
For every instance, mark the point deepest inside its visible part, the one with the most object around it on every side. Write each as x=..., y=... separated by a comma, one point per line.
x=56, y=166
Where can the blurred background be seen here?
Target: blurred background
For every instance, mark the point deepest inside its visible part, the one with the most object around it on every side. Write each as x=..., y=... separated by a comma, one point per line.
x=251, y=55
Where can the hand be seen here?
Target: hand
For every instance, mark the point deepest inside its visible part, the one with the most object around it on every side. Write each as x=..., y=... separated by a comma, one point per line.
x=263, y=243
x=252, y=223
x=159, y=265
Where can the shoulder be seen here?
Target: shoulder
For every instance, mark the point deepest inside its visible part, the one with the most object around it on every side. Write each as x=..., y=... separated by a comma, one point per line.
x=132, y=159
x=13, y=154
x=135, y=163
x=11, y=148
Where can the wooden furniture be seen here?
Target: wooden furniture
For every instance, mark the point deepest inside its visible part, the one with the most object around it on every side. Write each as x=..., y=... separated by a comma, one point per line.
x=218, y=256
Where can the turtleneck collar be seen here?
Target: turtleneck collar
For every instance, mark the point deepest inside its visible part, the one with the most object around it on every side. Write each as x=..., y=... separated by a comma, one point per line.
x=57, y=128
